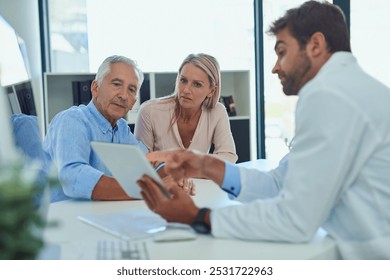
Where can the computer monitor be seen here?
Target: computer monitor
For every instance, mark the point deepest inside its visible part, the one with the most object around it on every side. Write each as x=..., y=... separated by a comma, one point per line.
x=8, y=151
x=14, y=71
x=15, y=143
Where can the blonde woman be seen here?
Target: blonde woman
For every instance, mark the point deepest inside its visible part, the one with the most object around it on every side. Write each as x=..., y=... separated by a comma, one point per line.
x=192, y=117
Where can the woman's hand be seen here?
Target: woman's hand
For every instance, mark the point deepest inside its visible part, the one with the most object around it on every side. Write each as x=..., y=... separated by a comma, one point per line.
x=186, y=184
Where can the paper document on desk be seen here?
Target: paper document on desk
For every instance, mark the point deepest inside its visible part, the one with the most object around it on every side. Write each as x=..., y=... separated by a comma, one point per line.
x=130, y=224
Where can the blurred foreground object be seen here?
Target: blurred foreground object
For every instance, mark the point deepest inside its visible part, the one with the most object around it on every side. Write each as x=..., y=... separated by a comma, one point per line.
x=20, y=222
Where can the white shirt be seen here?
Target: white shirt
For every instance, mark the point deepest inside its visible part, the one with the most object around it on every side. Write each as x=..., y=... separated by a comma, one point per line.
x=338, y=170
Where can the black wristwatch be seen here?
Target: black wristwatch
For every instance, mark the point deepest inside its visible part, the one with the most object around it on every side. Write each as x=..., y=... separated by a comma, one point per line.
x=199, y=224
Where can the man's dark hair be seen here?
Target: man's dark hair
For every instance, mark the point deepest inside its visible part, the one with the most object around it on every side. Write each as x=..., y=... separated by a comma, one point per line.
x=311, y=17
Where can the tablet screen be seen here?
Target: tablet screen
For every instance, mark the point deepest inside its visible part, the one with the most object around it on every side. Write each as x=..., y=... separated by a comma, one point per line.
x=127, y=164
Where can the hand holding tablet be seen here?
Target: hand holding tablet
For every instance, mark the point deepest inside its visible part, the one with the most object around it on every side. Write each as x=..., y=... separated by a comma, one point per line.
x=127, y=164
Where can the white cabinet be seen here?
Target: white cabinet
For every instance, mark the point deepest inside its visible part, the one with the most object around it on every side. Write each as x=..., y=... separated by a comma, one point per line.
x=58, y=96
x=58, y=93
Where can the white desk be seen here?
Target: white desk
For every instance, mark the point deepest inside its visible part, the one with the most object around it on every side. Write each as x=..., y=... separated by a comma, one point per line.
x=78, y=240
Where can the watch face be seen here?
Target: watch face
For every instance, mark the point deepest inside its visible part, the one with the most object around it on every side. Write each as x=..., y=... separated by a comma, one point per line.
x=201, y=227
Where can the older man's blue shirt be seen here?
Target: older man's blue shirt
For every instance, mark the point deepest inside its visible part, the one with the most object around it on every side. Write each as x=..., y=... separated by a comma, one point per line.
x=67, y=143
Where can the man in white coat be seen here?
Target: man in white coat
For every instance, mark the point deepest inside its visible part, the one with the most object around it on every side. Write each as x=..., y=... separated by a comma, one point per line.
x=337, y=176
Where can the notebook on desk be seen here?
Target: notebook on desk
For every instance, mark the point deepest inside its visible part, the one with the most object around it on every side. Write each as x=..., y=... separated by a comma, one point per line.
x=127, y=163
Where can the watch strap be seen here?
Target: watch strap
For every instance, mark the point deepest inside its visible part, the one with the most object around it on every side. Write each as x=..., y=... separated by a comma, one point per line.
x=199, y=223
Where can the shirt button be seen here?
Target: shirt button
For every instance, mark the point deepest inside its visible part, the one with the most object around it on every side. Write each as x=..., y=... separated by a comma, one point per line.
x=232, y=188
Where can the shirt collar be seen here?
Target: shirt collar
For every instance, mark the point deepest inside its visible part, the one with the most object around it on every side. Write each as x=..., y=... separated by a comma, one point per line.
x=335, y=60
x=102, y=122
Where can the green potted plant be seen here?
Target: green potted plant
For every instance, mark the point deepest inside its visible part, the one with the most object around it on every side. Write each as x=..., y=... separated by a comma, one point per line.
x=20, y=221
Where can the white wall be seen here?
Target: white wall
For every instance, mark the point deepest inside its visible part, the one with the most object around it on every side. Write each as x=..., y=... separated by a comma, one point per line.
x=23, y=15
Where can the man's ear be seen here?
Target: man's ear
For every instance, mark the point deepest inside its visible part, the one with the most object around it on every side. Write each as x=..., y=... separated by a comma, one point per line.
x=317, y=45
x=94, y=88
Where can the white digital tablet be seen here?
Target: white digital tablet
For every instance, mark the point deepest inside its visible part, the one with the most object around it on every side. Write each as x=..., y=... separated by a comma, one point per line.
x=127, y=163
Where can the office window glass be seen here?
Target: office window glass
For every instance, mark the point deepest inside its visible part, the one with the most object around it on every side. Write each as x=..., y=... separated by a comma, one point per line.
x=158, y=34
x=370, y=37
x=68, y=35
x=279, y=109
